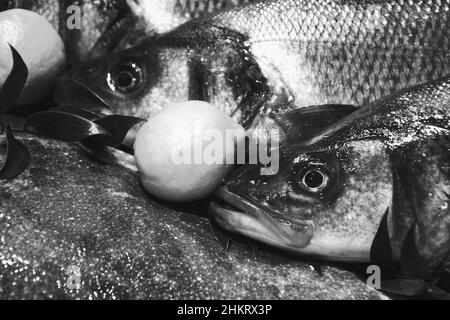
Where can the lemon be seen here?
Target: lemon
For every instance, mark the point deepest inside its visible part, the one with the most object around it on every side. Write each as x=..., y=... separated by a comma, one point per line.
x=40, y=46
x=182, y=151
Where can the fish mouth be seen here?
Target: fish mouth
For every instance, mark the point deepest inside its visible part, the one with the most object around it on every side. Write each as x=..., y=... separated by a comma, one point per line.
x=239, y=215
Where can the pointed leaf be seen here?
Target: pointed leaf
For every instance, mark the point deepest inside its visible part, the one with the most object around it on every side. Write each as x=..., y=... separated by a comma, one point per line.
x=118, y=126
x=17, y=157
x=411, y=263
x=70, y=92
x=381, y=250
x=87, y=114
x=14, y=84
x=404, y=287
x=63, y=126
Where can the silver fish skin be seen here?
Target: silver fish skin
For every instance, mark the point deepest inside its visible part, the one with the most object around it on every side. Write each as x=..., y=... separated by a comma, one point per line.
x=334, y=188
x=159, y=16
x=349, y=52
x=272, y=56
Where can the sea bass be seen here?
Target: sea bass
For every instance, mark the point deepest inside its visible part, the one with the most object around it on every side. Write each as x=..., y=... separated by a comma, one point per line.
x=102, y=23
x=295, y=53
x=334, y=188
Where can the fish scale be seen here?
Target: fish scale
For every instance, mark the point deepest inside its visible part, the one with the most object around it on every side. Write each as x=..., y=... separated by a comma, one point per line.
x=199, y=9
x=399, y=37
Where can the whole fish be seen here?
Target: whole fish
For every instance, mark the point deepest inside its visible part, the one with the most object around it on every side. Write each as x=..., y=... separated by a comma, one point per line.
x=334, y=187
x=295, y=53
x=97, y=30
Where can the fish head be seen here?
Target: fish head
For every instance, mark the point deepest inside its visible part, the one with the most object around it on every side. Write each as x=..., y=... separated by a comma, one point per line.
x=132, y=82
x=326, y=202
x=192, y=63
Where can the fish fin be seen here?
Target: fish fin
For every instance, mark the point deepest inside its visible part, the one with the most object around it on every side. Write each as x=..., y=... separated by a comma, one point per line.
x=404, y=287
x=411, y=263
x=381, y=251
x=421, y=179
x=306, y=122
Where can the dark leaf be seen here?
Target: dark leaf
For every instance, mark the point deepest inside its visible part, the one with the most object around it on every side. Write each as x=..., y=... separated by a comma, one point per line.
x=63, y=126
x=404, y=287
x=443, y=280
x=118, y=126
x=411, y=263
x=72, y=93
x=14, y=84
x=17, y=157
x=381, y=250
x=87, y=114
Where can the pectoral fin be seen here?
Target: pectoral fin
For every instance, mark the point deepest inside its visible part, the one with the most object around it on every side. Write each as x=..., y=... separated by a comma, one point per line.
x=304, y=123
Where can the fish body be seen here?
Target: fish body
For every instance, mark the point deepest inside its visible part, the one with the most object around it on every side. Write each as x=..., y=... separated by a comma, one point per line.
x=334, y=188
x=293, y=53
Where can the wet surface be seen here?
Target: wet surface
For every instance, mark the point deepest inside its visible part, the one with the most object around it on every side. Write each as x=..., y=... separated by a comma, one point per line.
x=69, y=211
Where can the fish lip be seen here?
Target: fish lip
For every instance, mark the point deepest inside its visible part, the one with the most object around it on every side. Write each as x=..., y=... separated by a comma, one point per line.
x=278, y=230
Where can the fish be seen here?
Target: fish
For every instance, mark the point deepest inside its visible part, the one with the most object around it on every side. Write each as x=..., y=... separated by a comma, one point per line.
x=102, y=23
x=160, y=16
x=337, y=182
x=269, y=57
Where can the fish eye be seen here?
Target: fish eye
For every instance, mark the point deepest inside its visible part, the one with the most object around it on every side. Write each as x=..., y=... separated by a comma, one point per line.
x=125, y=78
x=313, y=180
x=10, y=4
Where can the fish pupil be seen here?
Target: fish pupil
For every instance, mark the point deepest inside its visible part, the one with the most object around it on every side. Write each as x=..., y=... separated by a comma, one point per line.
x=125, y=80
x=314, y=179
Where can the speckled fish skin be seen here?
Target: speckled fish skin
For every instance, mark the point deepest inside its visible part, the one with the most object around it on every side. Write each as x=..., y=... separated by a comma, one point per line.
x=333, y=189
x=297, y=53
x=97, y=17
